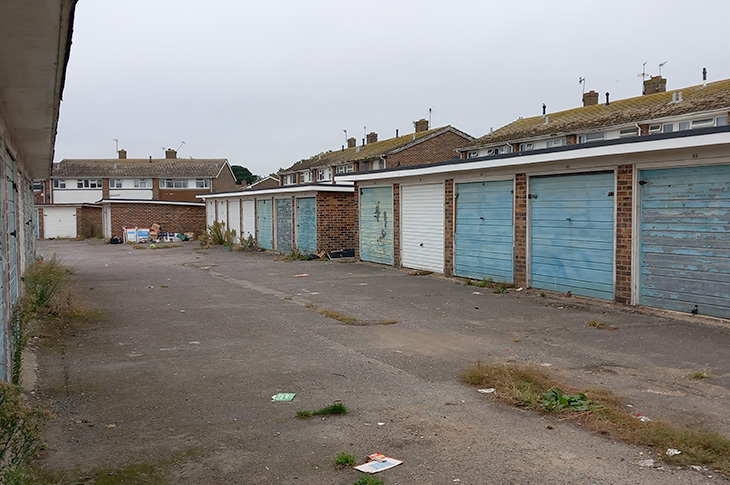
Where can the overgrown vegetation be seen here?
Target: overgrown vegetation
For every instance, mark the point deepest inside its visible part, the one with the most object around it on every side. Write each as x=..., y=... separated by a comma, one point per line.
x=600, y=411
x=247, y=243
x=333, y=409
x=344, y=460
x=703, y=374
x=489, y=283
x=369, y=480
x=331, y=314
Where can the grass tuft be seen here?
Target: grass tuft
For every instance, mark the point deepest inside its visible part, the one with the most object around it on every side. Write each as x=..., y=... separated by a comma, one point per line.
x=344, y=460
x=333, y=409
x=331, y=314
x=369, y=480
x=600, y=411
x=703, y=374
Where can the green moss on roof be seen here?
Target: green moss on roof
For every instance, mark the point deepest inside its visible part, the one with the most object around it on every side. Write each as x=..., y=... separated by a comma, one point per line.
x=644, y=108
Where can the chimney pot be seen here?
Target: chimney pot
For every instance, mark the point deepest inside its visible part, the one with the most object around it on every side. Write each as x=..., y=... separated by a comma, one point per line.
x=421, y=125
x=607, y=101
x=351, y=142
x=656, y=84
x=170, y=153
x=590, y=98
x=372, y=137
x=122, y=154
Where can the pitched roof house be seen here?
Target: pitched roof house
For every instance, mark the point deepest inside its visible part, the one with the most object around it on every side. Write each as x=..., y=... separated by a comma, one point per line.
x=423, y=146
x=145, y=190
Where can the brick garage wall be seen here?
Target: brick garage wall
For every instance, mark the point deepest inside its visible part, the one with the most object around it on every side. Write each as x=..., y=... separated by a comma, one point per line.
x=449, y=227
x=436, y=149
x=88, y=221
x=520, y=256
x=336, y=221
x=180, y=195
x=178, y=218
x=624, y=197
x=41, y=226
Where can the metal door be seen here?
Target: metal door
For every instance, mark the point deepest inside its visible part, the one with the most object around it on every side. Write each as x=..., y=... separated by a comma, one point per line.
x=12, y=226
x=283, y=225
x=234, y=216
x=572, y=234
x=484, y=237
x=222, y=216
x=422, y=227
x=307, y=225
x=209, y=213
x=376, y=224
x=685, y=239
x=248, y=216
x=264, y=230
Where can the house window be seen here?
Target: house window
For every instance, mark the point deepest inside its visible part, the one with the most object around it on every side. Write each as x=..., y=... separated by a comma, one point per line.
x=472, y=154
x=304, y=177
x=349, y=168
x=37, y=185
x=627, y=132
x=588, y=137
x=703, y=122
x=558, y=142
x=655, y=128
x=721, y=121
x=59, y=183
x=115, y=183
x=173, y=183
x=524, y=147
x=684, y=125
x=142, y=183
x=202, y=183
x=88, y=184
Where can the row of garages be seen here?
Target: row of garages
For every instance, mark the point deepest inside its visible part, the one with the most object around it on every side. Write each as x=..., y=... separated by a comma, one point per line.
x=635, y=223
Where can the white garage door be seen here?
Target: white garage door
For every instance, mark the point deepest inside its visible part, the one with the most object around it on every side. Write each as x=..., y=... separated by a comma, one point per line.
x=422, y=227
x=59, y=222
x=249, y=218
x=234, y=215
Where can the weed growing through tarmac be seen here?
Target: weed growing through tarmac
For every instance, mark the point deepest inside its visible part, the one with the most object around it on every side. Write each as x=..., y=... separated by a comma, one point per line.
x=605, y=413
x=600, y=324
x=387, y=322
x=420, y=272
x=499, y=288
x=344, y=460
x=368, y=480
x=702, y=374
x=333, y=409
x=331, y=314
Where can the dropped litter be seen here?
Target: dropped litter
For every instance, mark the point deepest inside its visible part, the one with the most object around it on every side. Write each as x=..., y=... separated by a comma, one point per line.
x=486, y=391
x=673, y=452
x=377, y=462
x=283, y=397
x=302, y=275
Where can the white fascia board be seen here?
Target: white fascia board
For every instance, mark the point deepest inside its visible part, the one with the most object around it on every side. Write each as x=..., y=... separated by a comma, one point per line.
x=154, y=202
x=531, y=159
x=283, y=190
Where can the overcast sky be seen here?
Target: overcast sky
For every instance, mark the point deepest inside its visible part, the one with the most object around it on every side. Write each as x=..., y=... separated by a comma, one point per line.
x=267, y=83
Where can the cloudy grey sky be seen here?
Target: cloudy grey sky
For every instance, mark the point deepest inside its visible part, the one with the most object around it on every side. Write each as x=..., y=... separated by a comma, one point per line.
x=267, y=83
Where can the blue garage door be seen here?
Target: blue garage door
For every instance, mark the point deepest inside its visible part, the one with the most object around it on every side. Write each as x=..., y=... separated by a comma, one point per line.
x=12, y=231
x=685, y=239
x=572, y=234
x=483, y=243
x=283, y=225
x=307, y=225
x=376, y=224
x=264, y=231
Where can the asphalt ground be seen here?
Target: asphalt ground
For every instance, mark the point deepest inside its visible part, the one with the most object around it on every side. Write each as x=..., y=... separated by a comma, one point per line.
x=176, y=377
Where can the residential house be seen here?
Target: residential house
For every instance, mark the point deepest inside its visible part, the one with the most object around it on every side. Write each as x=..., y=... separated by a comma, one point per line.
x=34, y=53
x=626, y=201
x=312, y=212
x=101, y=196
x=264, y=183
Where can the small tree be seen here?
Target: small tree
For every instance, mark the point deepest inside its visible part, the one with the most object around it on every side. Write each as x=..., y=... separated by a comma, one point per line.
x=243, y=174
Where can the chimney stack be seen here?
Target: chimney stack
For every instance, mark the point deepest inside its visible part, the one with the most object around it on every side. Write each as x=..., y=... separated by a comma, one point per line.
x=351, y=142
x=122, y=154
x=170, y=153
x=372, y=137
x=590, y=98
x=421, y=125
x=656, y=84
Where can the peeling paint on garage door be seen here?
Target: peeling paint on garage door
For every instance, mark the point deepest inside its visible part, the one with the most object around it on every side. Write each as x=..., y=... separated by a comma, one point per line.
x=264, y=230
x=307, y=225
x=283, y=225
x=376, y=224
x=572, y=234
x=685, y=239
x=483, y=243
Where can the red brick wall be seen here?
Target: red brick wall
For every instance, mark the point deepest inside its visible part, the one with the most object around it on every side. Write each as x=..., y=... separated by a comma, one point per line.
x=180, y=195
x=88, y=221
x=396, y=226
x=41, y=226
x=449, y=227
x=436, y=149
x=171, y=218
x=520, y=256
x=336, y=221
x=226, y=182
x=624, y=194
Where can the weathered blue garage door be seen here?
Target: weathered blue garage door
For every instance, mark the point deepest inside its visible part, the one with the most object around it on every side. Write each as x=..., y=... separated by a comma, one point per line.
x=307, y=225
x=685, y=239
x=264, y=231
x=376, y=224
x=283, y=225
x=572, y=234
x=12, y=194
x=483, y=244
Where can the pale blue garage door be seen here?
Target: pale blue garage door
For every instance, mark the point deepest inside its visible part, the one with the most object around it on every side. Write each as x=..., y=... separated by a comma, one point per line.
x=264, y=230
x=307, y=225
x=572, y=234
x=376, y=224
x=685, y=239
x=483, y=243
x=283, y=225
